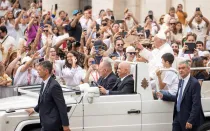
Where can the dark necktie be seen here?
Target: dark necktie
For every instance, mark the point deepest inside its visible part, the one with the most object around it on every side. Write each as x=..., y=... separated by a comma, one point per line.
x=42, y=88
x=180, y=96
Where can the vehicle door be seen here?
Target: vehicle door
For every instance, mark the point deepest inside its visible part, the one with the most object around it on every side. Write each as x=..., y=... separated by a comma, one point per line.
x=113, y=113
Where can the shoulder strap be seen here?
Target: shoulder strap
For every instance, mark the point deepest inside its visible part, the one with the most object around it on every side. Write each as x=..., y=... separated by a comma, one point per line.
x=4, y=39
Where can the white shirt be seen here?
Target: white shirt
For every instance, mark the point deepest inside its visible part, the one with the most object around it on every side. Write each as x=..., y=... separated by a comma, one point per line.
x=73, y=77
x=200, y=30
x=85, y=23
x=188, y=56
x=21, y=78
x=130, y=23
x=186, y=79
x=20, y=31
x=9, y=41
x=171, y=79
x=5, y=4
x=45, y=83
x=60, y=38
x=123, y=78
x=154, y=57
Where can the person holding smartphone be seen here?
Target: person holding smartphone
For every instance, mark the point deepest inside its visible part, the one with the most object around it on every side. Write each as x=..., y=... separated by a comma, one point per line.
x=189, y=48
x=91, y=68
x=199, y=24
x=72, y=73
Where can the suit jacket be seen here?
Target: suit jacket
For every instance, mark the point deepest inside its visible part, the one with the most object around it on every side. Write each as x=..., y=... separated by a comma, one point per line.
x=51, y=107
x=123, y=87
x=190, y=108
x=109, y=82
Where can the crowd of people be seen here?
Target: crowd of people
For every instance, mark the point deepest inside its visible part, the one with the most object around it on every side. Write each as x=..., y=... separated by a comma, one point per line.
x=83, y=49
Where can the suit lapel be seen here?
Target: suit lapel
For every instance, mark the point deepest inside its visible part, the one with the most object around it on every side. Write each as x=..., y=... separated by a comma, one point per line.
x=116, y=84
x=186, y=88
x=45, y=89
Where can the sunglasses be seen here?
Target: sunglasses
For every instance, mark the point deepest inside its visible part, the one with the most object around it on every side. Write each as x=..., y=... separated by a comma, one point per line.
x=172, y=23
x=120, y=44
x=45, y=30
x=131, y=53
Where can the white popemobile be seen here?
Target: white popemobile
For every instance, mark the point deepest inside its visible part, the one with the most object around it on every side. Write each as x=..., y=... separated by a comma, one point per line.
x=88, y=111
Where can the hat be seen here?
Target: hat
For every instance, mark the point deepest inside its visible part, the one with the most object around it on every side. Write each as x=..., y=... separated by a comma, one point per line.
x=145, y=42
x=130, y=49
x=99, y=44
x=106, y=17
x=161, y=35
x=25, y=59
x=16, y=13
x=75, y=12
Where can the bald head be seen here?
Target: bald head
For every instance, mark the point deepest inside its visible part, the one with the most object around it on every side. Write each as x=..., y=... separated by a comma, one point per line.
x=124, y=69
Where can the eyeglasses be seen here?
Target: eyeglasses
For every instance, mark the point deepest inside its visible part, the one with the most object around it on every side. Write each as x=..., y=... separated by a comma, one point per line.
x=45, y=30
x=131, y=53
x=172, y=23
x=120, y=44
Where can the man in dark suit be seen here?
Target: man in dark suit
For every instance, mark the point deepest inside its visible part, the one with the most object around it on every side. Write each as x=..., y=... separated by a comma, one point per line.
x=188, y=113
x=107, y=77
x=125, y=83
x=51, y=104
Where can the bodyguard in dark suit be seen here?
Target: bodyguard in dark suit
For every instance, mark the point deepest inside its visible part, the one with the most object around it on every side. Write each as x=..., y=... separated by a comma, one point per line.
x=125, y=83
x=51, y=104
x=188, y=113
x=107, y=77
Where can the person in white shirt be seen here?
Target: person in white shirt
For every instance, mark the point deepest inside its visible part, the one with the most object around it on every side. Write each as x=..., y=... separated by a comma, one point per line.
x=168, y=80
x=5, y=4
x=86, y=20
x=6, y=42
x=154, y=56
x=71, y=72
x=21, y=24
x=102, y=13
x=130, y=54
x=26, y=74
x=199, y=25
x=190, y=38
x=130, y=20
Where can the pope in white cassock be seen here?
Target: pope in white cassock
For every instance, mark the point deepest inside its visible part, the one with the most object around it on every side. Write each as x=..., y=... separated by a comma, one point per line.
x=154, y=56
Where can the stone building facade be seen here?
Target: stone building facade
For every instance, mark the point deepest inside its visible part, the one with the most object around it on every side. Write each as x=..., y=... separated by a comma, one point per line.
x=139, y=8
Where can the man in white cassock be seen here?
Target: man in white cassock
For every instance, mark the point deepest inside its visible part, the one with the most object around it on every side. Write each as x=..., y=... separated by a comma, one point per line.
x=154, y=56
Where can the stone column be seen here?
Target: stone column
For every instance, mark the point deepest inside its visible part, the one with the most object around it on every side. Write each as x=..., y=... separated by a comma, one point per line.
x=66, y=5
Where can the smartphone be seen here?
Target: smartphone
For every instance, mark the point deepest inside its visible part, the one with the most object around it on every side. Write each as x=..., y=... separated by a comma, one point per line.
x=95, y=83
x=42, y=25
x=119, y=21
x=151, y=17
x=41, y=59
x=56, y=6
x=191, y=48
x=97, y=27
x=93, y=62
x=198, y=9
x=139, y=29
x=147, y=33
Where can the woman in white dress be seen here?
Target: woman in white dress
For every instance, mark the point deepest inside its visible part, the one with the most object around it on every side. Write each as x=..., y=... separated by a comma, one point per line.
x=72, y=73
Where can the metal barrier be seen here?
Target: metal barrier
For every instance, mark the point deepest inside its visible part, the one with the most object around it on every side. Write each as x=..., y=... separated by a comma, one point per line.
x=8, y=91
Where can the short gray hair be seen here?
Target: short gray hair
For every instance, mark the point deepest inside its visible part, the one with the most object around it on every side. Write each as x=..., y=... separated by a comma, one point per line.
x=47, y=65
x=184, y=62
